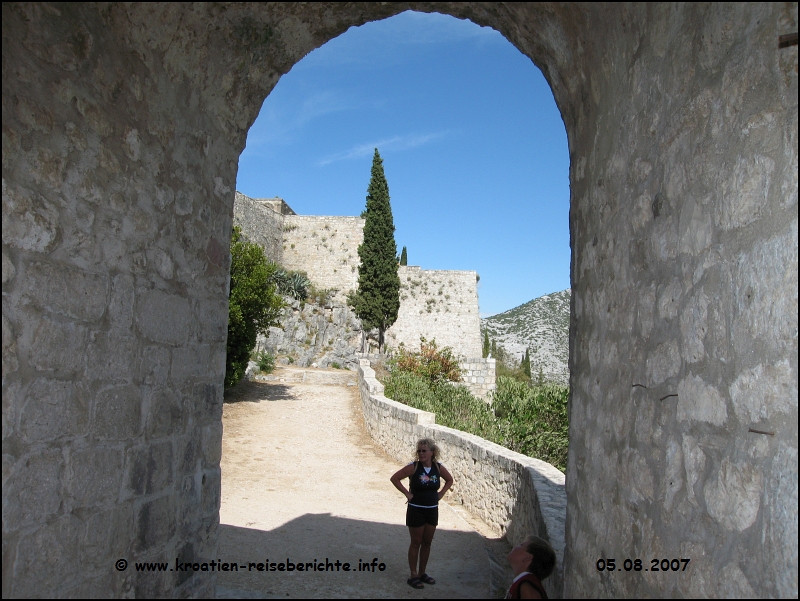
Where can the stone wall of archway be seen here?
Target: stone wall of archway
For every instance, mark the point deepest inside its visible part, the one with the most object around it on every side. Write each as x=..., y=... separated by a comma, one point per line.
x=122, y=127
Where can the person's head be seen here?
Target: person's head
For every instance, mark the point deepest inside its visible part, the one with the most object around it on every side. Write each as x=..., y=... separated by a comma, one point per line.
x=537, y=554
x=427, y=449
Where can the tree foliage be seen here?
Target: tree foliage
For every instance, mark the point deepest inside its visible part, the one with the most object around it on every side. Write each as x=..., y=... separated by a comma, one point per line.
x=254, y=305
x=404, y=257
x=526, y=363
x=432, y=363
x=533, y=421
x=377, y=300
x=486, y=346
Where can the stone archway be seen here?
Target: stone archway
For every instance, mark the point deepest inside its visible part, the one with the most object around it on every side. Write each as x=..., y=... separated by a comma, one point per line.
x=122, y=126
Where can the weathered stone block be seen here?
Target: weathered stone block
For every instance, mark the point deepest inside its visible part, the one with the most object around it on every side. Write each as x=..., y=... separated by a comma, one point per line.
x=36, y=481
x=67, y=291
x=149, y=470
x=30, y=221
x=154, y=524
x=54, y=408
x=210, y=487
x=189, y=362
x=154, y=365
x=52, y=545
x=111, y=356
x=96, y=476
x=163, y=317
x=120, y=305
x=58, y=347
x=117, y=413
x=165, y=412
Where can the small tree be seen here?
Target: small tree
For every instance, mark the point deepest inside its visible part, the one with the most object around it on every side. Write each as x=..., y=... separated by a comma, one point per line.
x=404, y=257
x=486, y=346
x=494, y=349
x=253, y=305
x=526, y=363
x=377, y=300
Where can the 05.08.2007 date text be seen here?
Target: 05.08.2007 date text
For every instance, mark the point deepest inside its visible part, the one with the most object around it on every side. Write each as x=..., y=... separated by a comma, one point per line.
x=656, y=565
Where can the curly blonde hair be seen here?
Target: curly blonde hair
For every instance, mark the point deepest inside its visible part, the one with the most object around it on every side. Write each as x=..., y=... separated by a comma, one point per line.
x=432, y=446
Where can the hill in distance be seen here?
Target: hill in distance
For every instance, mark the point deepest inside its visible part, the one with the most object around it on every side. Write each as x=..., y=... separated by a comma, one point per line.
x=542, y=325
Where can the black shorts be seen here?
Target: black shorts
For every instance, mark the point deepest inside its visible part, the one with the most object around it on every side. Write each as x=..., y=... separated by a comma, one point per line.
x=419, y=516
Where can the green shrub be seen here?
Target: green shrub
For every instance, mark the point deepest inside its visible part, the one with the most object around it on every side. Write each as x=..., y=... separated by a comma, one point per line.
x=266, y=362
x=335, y=365
x=254, y=305
x=291, y=283
x=453, y=405
x=529, y=420
x=320, y=296
x=430, y=362
x=534, y=419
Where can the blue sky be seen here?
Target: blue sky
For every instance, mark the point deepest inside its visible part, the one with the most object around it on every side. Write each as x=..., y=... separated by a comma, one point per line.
x=474, y=149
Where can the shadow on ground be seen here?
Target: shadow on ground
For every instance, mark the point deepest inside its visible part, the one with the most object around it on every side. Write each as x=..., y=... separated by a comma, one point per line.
x=255, y=392
x=324, y=540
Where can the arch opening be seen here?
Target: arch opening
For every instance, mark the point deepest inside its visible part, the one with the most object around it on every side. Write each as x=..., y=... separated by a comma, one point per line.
x=507, y=151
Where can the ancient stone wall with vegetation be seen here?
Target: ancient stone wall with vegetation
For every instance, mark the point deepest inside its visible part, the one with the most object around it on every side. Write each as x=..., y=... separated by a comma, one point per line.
x=436, y=304
x=441, y=305
x=326, y=248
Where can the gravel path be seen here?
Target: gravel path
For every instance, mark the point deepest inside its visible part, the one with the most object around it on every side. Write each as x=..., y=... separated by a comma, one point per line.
x=302, y=481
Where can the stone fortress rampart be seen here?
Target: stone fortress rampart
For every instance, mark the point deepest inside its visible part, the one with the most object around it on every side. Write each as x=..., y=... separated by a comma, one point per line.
x=436, y=304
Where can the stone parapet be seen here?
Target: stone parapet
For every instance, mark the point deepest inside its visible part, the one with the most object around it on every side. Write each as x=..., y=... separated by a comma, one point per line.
x=515, y=495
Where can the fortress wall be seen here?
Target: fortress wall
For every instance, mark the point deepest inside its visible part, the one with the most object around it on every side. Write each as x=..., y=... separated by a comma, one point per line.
x=441, y=305
x=260, y=223
x=515, y=495
x=437, y=304
x=326, y=248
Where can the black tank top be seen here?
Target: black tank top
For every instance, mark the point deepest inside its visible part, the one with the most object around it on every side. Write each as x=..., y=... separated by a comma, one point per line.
x=424, y=486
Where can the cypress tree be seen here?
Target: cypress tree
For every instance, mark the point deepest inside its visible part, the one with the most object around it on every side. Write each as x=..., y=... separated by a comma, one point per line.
x=526, y=363
x=486, y=346
x=404, y=257
x=377, y=300
x=494, y=349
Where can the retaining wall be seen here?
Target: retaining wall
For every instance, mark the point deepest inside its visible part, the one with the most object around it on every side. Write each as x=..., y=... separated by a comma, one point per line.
x=479, y=375
x=514, y=494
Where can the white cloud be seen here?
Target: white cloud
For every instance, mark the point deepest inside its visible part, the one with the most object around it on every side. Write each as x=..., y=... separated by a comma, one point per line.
x=394, y=144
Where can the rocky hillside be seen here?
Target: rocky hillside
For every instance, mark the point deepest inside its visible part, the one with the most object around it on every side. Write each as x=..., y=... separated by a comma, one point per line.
x=314, y=335
x=541, y=325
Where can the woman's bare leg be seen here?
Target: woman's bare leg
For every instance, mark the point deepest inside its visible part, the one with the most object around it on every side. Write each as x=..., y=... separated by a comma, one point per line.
x=425, y=548
x=417, y=535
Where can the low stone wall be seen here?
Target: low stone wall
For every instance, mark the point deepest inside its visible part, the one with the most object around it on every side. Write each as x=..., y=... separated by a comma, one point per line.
x=514, y=494
x=479, y=375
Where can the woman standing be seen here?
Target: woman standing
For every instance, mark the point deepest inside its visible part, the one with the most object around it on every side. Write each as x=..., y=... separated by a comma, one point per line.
x=422, y=516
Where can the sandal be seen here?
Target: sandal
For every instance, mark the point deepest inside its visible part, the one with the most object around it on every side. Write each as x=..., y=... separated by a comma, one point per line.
x=427, y=579
x=415, y=583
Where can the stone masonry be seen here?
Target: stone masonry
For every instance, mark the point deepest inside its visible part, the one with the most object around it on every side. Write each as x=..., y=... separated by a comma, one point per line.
x=478, y=374
x=122, y=128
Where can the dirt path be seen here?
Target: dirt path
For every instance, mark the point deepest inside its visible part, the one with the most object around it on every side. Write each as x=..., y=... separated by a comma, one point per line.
x=302, y=481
